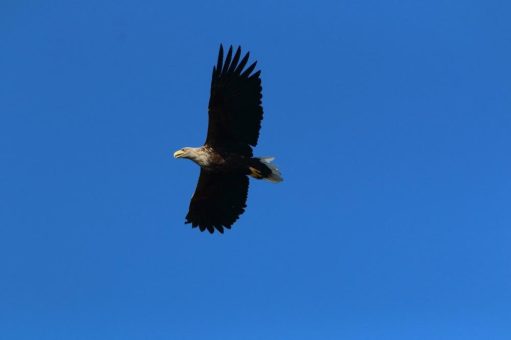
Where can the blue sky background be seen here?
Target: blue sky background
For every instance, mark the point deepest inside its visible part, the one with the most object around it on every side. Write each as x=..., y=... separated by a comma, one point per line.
x=391, y=124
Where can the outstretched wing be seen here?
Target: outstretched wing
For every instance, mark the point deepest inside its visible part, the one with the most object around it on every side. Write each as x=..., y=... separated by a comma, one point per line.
x=235, y=110
x=218, y=201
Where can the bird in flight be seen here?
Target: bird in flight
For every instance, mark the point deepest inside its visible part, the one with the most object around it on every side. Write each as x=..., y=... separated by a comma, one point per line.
x=226, y=159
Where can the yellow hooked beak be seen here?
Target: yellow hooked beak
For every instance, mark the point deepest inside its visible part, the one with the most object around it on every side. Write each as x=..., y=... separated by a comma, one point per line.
x=179, y=154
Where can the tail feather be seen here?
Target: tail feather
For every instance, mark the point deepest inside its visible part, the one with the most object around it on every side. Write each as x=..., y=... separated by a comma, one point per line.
x=275, y=175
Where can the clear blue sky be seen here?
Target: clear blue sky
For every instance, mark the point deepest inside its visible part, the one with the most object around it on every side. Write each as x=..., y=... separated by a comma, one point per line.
x=391, y=123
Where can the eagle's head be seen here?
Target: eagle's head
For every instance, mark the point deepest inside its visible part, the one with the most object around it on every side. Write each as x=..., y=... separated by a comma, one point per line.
x=198, y=155
x=184, y=153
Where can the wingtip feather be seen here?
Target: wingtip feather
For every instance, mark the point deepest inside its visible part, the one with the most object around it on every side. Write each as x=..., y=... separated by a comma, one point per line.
x=249, y=69
x=220, y=58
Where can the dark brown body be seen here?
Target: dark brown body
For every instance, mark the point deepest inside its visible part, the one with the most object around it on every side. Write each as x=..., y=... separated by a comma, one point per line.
x=227, y=162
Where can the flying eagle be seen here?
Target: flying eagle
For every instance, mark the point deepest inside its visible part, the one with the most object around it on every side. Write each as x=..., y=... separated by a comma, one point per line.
x=226, y=159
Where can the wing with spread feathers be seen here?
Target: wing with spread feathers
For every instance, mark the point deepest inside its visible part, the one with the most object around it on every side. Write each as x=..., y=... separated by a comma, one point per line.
x=235, y=110
x=218, y=201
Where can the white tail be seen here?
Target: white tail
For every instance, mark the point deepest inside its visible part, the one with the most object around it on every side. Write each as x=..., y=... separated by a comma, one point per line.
x=275, y=176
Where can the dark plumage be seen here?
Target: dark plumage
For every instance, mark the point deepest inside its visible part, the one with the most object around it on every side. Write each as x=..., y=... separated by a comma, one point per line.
x=235, y=115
